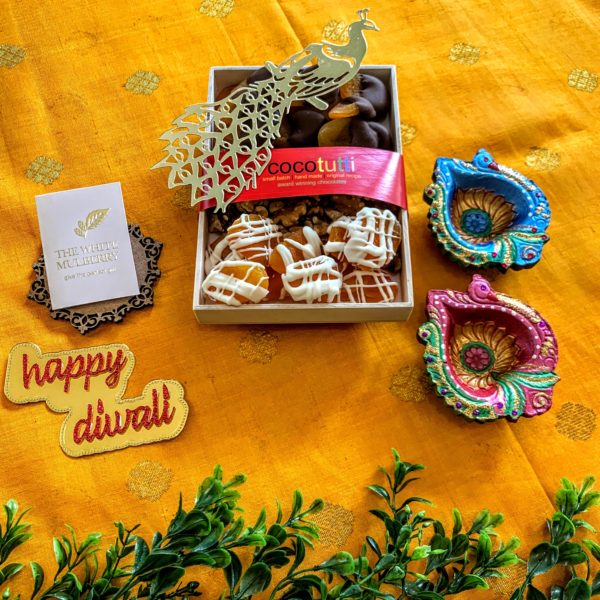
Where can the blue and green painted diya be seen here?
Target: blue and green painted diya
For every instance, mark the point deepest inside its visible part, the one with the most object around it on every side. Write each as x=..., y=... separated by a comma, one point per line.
x=484, y=214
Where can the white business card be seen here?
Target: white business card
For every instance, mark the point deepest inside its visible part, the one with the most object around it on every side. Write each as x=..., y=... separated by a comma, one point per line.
x=86, y=244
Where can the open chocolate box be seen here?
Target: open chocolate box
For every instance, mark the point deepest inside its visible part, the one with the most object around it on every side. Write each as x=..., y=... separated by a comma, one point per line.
x=286, y=310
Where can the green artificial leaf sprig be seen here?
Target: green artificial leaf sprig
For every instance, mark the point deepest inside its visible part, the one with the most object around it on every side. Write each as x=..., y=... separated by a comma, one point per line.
x=284, y=543
x=15, y=533
x=413, y=558
x=562, y=549
x=394, y=569
x=210, y=534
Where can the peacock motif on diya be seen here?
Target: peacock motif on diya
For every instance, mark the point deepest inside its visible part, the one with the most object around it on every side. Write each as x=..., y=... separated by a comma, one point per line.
x=488, y=355
x=485, y=214
x=220, y=148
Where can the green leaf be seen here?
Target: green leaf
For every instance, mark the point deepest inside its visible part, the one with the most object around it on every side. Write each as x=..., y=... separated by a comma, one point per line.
x=59, y=554
x=438, y=528
x=233, y=571
x=542, y=558
x=457, y=519
x=11, y=508
x=101, y=585
x=561, y=528
x=486, y=573
x=70, y=576
x=534, y=594
x=594, y=548
x=194, y=523
x=380, y=491
x=460, y=544
x=427, y=596
x=141, y=552
x=570, y=553
x=380, y=514
x=276, y=558
x=342, y=564
x=568, y=484
x=197, y=558
x=120, y=530
x=415, y=499
x=61, y=596
x=395, y=574
x=278, y=532
x=92, y=540
x=261, y=520
x=256, y=539
x=596, y=584
x=584, y=524
x=470, y=582
x=300, y=548
x=567, y=501
x=11, y=570
x=157, y=559
x=211, y=539
x=439, y=542
x=504, y=559
x=577, y=589
x=480, y=521
x=38, y=577
x=373, y=545
x=587, y=483
x=511, y=545
x=220, y=557
x=421, y=552
x=235, y=530
x=166, y=579
x=157, y=539
x=316, y=506
x=589, y=500
x=297, y=501
x=484, y=548
x=385, y=562
x=256, y=579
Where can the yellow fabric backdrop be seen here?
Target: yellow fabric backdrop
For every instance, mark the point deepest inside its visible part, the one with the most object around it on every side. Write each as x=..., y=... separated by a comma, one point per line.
x=311, y=406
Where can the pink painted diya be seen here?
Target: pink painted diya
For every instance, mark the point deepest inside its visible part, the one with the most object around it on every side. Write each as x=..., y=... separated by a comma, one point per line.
x=488, y=355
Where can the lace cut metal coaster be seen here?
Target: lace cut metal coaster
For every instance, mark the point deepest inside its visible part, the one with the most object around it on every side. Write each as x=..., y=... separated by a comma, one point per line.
x=146, y=252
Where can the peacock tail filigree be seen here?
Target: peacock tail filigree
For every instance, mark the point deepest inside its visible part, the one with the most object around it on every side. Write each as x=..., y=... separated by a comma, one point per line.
x=220, y=148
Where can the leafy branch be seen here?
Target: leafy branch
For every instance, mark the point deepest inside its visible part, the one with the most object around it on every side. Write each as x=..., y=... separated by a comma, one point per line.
x=413, y=558
x=563, y=550
x=15, y=533
x=408, y=563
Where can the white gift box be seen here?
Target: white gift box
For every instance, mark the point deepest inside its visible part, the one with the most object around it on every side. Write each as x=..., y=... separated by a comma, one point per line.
x=207, y=311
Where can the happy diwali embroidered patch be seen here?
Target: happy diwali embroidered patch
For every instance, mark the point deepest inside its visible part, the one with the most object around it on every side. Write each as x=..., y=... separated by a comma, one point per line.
x=88, y=384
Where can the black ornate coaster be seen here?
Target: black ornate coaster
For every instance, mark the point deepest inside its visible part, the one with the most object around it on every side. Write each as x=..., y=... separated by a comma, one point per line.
x=85, y=317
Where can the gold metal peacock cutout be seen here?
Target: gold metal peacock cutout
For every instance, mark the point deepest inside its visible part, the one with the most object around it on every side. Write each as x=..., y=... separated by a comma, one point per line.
x=220, y=148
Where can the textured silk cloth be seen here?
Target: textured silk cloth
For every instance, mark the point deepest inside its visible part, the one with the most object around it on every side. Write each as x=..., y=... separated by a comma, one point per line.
x=86, y=89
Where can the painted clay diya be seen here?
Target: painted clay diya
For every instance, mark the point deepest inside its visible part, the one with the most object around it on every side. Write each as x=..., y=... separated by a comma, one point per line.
x=488, y=355
x=485, y=214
